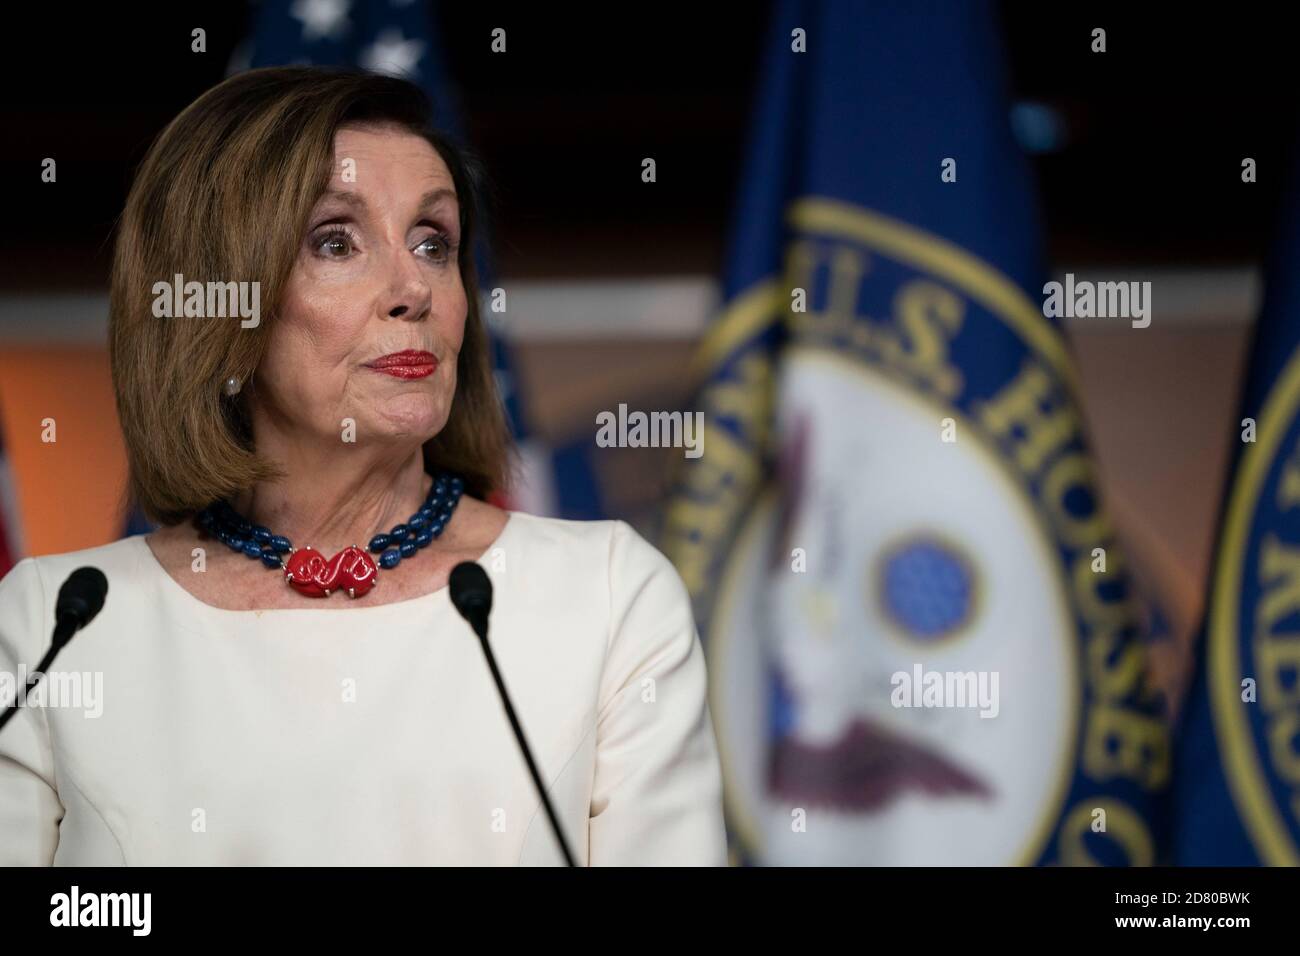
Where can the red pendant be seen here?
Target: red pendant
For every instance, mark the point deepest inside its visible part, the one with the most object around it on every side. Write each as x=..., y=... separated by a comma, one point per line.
x=309, y=573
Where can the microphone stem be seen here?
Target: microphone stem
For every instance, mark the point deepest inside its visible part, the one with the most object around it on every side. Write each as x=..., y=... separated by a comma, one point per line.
x=63, y=630
x=480, y=628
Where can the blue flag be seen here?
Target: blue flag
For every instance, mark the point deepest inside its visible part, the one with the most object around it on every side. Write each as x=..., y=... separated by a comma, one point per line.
x=1237, y=785
x=922, y=644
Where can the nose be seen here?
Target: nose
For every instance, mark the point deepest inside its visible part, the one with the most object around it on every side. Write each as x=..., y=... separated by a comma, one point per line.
x=408, y=295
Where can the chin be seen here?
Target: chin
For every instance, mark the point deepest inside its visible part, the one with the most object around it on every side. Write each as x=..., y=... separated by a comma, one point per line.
x=408, y=416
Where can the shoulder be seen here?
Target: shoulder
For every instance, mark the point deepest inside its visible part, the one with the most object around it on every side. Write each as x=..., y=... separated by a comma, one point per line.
x=614, y=546
x=29, y=590
x=610, y=558
x=632, y=595
x=48, y=572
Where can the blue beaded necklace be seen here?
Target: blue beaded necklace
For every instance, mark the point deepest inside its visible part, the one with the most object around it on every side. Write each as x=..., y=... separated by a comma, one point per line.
x=352, y=570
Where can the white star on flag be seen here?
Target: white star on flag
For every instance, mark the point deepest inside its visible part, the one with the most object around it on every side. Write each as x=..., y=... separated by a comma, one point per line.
x=392, y=55
x=321, y=18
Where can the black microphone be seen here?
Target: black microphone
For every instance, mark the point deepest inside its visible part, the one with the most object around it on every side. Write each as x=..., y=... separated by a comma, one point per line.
x=80, y=598
x=471, y=593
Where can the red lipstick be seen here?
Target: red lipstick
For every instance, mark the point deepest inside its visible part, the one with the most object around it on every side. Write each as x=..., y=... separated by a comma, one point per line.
x=409, y=363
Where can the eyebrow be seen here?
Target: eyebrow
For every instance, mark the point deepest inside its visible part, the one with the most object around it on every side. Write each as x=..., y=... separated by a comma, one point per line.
x=358, y=201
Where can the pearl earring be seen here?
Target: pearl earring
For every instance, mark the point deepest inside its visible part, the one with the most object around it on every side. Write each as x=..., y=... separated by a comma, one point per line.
x=232, y=385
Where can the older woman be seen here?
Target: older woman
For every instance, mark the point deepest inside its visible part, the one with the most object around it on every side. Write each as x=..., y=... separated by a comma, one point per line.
x=285, y=679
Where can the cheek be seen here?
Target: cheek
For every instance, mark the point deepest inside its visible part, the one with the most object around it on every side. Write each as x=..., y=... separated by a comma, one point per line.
x=317, y=332
x=455, y=307
x=452, y=310
x=456, y=342
x=308, y=355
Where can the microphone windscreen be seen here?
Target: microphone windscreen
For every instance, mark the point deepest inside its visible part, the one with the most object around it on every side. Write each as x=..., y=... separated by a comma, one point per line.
x=82, y=594
x=471, y=589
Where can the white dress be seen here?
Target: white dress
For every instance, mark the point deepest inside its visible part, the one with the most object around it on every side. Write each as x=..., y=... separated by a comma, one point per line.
x=372, y=735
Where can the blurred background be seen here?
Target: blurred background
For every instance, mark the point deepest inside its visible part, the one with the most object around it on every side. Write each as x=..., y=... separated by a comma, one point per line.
x=1134, y=160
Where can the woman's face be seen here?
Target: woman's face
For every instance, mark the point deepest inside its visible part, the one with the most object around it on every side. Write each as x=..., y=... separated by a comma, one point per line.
x=377, y=274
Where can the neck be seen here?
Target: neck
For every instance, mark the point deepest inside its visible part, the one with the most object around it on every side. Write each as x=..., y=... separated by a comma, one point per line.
x=331, y=504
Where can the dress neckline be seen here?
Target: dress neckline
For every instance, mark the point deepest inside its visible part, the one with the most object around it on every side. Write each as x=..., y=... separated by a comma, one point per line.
x=440, y=594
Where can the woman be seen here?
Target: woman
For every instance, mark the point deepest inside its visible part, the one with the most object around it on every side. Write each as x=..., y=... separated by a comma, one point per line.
x=304, y=388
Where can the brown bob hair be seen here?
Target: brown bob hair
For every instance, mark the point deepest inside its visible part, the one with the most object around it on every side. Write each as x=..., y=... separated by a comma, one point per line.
x=224, y=194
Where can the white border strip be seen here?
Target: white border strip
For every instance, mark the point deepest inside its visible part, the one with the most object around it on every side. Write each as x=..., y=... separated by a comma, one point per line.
x=669, y=307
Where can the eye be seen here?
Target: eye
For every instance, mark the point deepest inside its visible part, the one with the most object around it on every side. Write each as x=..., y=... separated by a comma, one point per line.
x=337, y=243
x=439, y=247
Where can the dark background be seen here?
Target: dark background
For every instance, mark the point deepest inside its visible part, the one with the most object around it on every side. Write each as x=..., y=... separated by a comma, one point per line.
x=1148, y=172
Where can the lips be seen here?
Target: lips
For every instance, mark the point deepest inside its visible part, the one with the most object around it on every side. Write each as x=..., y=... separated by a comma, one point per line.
x=865, y=771
x=410, y=363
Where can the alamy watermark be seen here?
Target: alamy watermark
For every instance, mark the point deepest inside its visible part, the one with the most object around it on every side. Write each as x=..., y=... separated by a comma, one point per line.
x=1085, y=299
x=62, y=689
x=208, y=300
x=130, y=910
x=651, y=430
x=922, y=688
